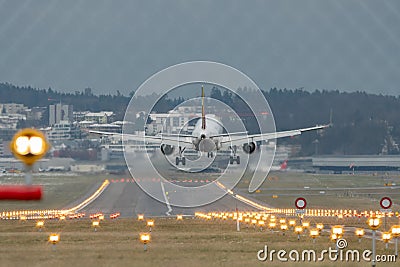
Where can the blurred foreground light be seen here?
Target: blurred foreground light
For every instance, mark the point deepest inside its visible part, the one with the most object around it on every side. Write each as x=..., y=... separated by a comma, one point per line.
x=29, y=145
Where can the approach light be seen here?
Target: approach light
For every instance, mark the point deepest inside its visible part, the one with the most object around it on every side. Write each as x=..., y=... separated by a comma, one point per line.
x=386, y=236
x=40, y=225
x=298, y=230
x=179, y=217
x=29, y=145
x=271, y=225
x=95, y=225
x=360, y=233
x=54, y=238
x=140, y=217
x=145, y=239
x=395, y=230
x=320, y=226
x=374, y=222
x=337, y=230
x=150, y=223
x=314, y=233
x=334, y=237
x=284, y=227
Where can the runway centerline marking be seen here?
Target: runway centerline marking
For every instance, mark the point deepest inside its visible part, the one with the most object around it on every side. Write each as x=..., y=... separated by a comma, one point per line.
x=166, y=199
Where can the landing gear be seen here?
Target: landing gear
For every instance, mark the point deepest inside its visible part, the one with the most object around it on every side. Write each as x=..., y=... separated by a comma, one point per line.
x=233, y=156
x=180, y=158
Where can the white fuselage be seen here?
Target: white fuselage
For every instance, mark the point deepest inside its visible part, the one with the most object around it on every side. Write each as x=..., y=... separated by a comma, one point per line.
x=203, y=139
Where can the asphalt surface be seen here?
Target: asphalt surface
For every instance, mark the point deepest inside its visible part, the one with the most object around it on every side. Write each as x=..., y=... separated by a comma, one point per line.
x=126, y=197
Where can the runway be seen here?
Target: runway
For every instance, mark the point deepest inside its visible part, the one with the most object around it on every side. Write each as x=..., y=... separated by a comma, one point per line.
x=126, y=197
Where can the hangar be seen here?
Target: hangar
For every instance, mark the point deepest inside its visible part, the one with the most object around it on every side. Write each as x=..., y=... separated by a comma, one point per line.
x=350, y=163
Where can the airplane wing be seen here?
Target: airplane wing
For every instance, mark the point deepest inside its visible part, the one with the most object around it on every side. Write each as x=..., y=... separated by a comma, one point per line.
x=240, y=140
x=173, y=140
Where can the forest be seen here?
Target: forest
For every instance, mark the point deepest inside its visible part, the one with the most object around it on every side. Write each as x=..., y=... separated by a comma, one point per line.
x=362, y=123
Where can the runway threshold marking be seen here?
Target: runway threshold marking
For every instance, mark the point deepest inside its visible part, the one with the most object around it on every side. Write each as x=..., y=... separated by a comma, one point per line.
x=166, y=200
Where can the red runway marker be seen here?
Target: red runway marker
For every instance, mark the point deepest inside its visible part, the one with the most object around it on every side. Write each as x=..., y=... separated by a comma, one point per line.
x=20, y=192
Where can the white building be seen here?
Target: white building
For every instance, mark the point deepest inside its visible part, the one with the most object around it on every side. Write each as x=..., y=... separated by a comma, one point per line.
x=64, y=131
x=181, y=120
x=100, y=117
x=12, y=108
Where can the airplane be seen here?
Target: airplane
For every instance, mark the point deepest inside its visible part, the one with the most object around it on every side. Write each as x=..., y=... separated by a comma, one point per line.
x=208, y=137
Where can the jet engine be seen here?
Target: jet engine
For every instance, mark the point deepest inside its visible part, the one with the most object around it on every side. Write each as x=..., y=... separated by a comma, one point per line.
x=249, y=147
x=167, y=149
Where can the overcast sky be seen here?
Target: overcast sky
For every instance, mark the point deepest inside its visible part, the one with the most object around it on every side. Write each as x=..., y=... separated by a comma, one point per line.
x=116, y=45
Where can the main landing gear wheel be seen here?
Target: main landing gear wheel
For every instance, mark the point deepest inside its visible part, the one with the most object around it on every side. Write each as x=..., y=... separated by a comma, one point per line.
x=233, y=156
x=232, y=159
x=180, y=160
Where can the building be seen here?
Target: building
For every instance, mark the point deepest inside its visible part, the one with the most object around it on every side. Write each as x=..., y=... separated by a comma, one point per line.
x=12, y=108
x=107, y=127
x=351, y=163
x=59, y=112
x=100, y=117
x=35, y=113
x=181, y=120
x=64, y=131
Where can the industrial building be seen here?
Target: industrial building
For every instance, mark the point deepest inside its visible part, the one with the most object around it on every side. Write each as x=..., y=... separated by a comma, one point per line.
x=352, y=163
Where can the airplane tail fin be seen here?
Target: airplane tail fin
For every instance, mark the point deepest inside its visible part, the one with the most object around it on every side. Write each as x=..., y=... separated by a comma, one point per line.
x=203, y=115
x=284, y=165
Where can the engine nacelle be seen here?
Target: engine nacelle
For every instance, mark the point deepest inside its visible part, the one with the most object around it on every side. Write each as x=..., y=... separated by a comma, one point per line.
x=249, y=147
x=167, y=149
